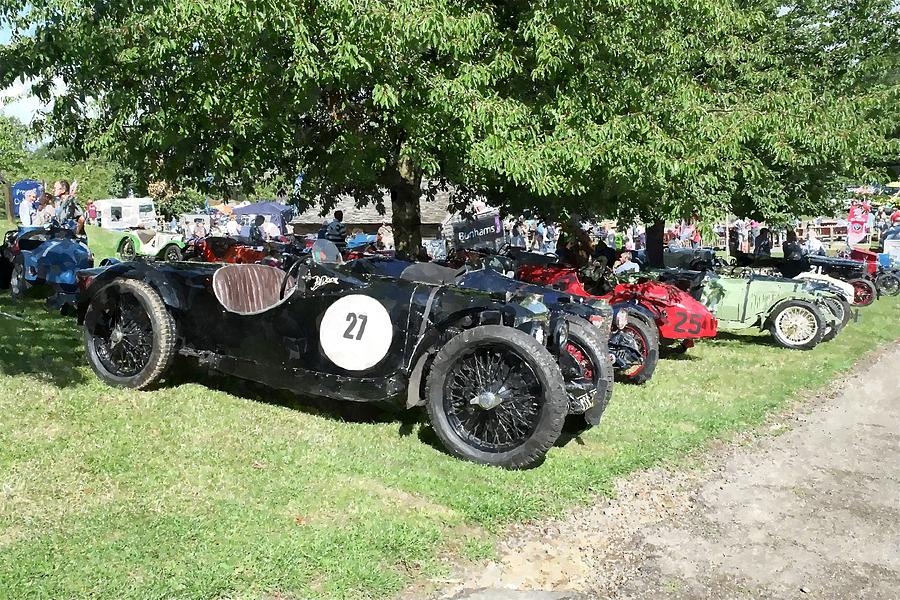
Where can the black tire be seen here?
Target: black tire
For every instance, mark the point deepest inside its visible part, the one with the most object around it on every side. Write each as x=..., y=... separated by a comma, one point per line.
x=448, y=387
x=6, y=269
x=127, y=251
x=888, y=284
x=796, y=310
x=842, y=311
x=645, y=334
x=130, y=310
x=172, y=253
x=18, y=285
x=864, y=292
x=592, y=352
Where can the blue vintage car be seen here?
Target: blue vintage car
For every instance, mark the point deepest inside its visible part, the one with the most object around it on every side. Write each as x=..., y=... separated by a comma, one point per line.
x=44, y=256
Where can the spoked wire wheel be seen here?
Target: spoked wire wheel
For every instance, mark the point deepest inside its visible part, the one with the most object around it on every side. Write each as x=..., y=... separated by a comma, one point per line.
x=128, y=334
x=127, y=251
x=493, y=399
x=496, y=396
x=123, y=336
x=888, y=284
x=865, y=292
x=797, y=324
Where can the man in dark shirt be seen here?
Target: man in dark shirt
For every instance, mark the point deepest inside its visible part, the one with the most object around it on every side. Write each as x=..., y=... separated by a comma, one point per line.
x=336, y=231
x=256, y=234
x=791, y=248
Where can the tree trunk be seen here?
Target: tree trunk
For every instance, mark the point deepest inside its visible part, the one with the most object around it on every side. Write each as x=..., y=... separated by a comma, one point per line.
x=406, y=192
x=655, y=244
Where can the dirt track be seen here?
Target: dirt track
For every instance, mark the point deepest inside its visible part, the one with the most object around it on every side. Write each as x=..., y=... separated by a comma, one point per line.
x=811, y=513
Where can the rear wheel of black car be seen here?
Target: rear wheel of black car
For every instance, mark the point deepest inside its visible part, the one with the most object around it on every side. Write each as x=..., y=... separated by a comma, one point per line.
x=864, y=292
x=888, y=284
x=797, y=325
x=18, y=285
x=495, y=396
x=644, y=339
x=842, y=311
x=129, y=336
x=127, y=250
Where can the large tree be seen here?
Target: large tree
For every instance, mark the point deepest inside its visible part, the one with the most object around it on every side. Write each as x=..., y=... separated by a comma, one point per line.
x=640, y=108
x=12, y=145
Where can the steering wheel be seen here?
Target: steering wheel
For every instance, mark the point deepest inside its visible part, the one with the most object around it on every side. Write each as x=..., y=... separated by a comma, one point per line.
x=287, y=277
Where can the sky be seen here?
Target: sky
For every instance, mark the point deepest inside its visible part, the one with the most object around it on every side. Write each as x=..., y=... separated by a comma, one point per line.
x=17, y=101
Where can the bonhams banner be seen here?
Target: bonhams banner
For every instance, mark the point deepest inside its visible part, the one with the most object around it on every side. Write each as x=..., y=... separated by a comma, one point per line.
x=857, y=222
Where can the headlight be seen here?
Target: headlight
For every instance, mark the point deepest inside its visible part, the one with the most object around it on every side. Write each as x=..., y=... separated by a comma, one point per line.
x=538, y=332
x=621, y=320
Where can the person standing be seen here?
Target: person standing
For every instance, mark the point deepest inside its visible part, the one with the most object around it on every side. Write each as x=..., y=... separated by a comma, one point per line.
x=270, y=230
x=92, y=213
x=27, y=210
x=67, y=210
x=386, y=236
x=256, y=232
x=336, y=232
x=45, y=212
x=762, y=247
x=518, y=235
x=791, y=248
x=813, y=246
x=232, y=229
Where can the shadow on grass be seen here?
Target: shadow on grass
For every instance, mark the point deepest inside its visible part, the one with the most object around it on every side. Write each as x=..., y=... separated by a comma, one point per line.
x=36, y=342
x=679, y=356
x=743, y=338
x=188, y=371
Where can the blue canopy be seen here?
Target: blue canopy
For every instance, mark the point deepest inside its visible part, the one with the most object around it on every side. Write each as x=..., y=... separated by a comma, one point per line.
x=278, y=213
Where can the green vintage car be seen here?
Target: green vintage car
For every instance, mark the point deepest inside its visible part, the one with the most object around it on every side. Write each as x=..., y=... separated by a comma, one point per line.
x=148, y=242
x=799, y=314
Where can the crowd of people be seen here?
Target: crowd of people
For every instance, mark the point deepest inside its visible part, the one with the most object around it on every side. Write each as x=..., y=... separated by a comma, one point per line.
x=61, y=206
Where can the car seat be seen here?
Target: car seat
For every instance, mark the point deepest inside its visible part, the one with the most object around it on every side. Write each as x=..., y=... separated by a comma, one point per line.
x=250, y=289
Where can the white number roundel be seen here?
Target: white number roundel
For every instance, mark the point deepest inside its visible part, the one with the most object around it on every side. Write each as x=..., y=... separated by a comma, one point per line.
x=356, y=332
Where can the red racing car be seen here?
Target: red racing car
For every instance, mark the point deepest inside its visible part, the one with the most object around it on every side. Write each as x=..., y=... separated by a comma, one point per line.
x=223, y=249
x=680, y=318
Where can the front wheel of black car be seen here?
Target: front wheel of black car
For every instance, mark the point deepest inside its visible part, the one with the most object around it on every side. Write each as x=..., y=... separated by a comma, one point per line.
x=129, y=336
x=496, y=396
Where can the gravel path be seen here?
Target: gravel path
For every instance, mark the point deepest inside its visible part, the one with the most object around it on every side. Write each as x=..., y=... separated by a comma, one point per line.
x=811, y=513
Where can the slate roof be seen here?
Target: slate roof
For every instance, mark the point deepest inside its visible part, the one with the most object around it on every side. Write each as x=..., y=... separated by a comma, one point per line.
x=433, y=213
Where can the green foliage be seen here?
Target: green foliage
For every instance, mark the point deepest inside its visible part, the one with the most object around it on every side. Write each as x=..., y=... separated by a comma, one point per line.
x=12, y=146
x=172, y=202
x=96, y=179
x=624, y=107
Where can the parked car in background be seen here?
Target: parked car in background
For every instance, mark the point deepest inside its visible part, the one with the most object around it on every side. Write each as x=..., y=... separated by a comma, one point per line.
x=135, y=221
x=43, y=256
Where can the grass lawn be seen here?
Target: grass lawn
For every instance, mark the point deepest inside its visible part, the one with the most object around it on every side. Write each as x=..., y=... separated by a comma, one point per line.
x=216, y=489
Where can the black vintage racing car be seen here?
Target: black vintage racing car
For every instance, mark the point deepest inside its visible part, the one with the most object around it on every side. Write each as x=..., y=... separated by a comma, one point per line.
x=483, y=365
